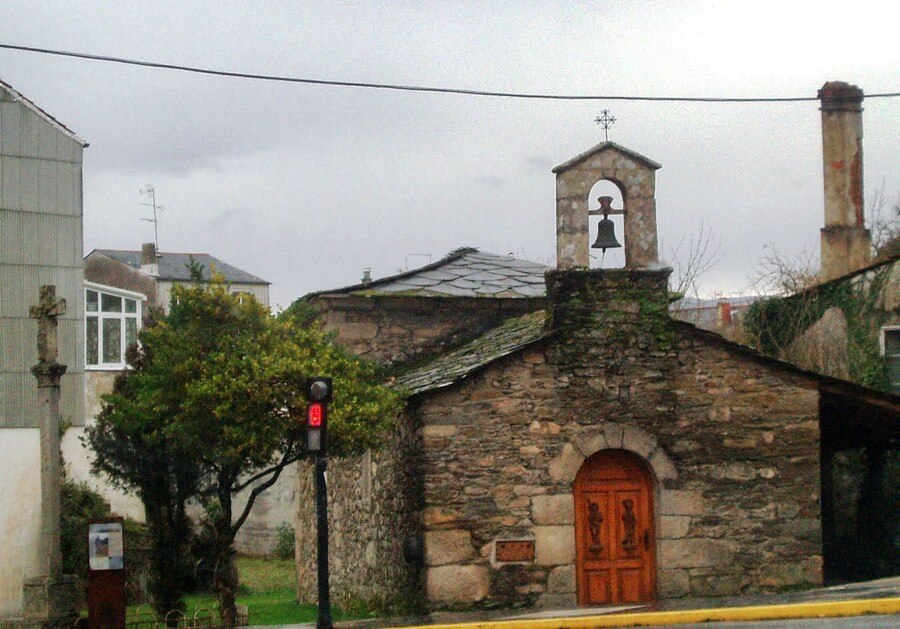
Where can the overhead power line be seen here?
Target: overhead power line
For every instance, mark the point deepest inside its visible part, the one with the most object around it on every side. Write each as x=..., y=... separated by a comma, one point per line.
x=421, y=88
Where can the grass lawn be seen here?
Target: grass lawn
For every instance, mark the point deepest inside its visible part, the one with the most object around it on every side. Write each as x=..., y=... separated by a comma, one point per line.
x=268, y=589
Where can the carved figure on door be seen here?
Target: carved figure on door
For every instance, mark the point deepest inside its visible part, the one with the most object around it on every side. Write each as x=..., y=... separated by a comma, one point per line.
x=595, y=520
x=629, y=521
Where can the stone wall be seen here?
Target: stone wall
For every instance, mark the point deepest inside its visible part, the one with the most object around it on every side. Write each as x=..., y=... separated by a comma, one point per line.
x=732, y=442
x=833, y=328
x=274, y=507
x=402, y=329
x=374, y=502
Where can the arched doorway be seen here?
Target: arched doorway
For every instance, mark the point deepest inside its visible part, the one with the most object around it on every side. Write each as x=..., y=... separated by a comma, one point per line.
x=615, y=541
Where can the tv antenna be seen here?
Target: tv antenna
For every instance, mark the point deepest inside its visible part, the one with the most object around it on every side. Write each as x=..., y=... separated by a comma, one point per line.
x=415, y=255
x=150, y=191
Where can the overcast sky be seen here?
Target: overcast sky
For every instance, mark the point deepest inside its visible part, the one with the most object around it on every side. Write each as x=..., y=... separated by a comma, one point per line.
x=306, y=186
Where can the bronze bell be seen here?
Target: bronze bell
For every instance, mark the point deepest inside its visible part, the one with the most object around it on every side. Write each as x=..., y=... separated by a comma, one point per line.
x=606, y=236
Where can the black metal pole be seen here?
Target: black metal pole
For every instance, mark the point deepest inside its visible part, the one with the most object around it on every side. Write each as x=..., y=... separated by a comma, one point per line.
x=324, y=621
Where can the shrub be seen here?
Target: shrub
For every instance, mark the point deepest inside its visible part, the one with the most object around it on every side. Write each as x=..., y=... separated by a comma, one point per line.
x=137, y=562
x=284, y=541
x=78, y=504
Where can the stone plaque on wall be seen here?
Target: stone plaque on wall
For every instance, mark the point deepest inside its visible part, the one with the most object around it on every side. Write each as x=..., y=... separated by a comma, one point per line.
x=514, y=550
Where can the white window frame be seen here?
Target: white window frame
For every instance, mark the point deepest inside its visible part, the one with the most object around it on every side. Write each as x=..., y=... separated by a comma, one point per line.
x=102, y=289
x=889, y=328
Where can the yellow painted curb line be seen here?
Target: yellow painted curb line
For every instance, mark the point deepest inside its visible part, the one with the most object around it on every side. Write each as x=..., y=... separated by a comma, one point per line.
x=828, y=609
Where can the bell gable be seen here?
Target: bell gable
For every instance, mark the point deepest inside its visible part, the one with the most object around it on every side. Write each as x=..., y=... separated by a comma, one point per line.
x=635, y=176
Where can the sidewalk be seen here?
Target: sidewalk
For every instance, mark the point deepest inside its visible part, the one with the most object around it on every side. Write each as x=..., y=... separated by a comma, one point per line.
x=854, y=599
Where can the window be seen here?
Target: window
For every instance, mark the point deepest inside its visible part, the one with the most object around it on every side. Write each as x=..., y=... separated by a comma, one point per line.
x=112, y=318
x=890, y=345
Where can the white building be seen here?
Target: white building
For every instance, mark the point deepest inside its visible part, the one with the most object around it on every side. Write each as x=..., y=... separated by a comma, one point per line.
x=40, y=243
x=120, y=286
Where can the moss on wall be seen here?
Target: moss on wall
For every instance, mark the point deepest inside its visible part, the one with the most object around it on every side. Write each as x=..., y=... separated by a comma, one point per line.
x=772, y=325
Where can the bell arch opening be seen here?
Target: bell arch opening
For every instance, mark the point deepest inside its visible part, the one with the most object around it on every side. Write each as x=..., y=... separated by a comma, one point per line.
x=612, y=257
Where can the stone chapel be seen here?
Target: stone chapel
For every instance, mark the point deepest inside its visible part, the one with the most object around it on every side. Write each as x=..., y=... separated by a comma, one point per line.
x=584, y=448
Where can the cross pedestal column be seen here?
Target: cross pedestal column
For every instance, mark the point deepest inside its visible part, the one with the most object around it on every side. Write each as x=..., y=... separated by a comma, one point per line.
x=49, y=597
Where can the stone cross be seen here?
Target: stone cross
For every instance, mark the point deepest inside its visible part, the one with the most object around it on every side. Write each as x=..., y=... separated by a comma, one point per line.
x=46, y=312
x=48, y=373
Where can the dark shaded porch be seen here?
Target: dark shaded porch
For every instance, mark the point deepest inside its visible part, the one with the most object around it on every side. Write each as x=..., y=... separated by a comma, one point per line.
x=860, y=470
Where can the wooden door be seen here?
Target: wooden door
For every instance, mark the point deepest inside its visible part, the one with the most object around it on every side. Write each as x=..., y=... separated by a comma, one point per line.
x=614, y=534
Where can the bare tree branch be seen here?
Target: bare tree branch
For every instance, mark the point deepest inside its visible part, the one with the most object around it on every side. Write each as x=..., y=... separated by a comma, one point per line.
x=238, y=487
x=781, y=275
x=884, y=223
x=278, y=468
x=693, y=257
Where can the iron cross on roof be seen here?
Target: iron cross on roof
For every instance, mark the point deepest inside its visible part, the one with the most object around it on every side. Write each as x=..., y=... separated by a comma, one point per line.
x=606, y=121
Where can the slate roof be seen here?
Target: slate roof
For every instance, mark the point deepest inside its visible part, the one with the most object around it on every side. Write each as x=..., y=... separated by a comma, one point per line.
x=464, y=272
x=174, y=266
x=503, y=340
x=516, y=334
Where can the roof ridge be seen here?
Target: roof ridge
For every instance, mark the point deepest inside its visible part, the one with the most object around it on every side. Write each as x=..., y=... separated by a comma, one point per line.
x=454, y=254
x=461, y=251
x=30, y=104
x=438, y=373
x=464, y=272
x=875, y=264
x=602, y=146
x=778, y=362
x=160, y=253
x=233, y=274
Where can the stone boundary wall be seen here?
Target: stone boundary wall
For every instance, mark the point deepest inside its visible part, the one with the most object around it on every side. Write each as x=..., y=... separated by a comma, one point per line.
x=833, y=328
x=275, y=506
x=402, y=329
x=374, y=501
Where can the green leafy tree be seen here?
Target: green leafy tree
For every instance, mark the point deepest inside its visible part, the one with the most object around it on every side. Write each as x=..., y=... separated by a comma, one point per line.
x=133, y=447
x=216, y=393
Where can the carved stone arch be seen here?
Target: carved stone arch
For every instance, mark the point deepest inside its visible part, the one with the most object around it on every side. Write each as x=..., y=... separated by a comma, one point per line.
x=613, y=436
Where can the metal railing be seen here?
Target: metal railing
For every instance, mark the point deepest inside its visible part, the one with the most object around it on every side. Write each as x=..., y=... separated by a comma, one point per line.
x=202, y=617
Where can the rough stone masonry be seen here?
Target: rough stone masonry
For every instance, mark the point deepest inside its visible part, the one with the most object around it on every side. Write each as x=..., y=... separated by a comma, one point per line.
x=732, y=441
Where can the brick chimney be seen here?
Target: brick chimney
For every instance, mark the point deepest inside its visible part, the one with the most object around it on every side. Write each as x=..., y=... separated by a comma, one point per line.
x=149, y=261
x=846, y=243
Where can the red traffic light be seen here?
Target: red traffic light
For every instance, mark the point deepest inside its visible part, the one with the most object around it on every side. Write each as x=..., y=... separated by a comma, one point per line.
x=315, y=412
